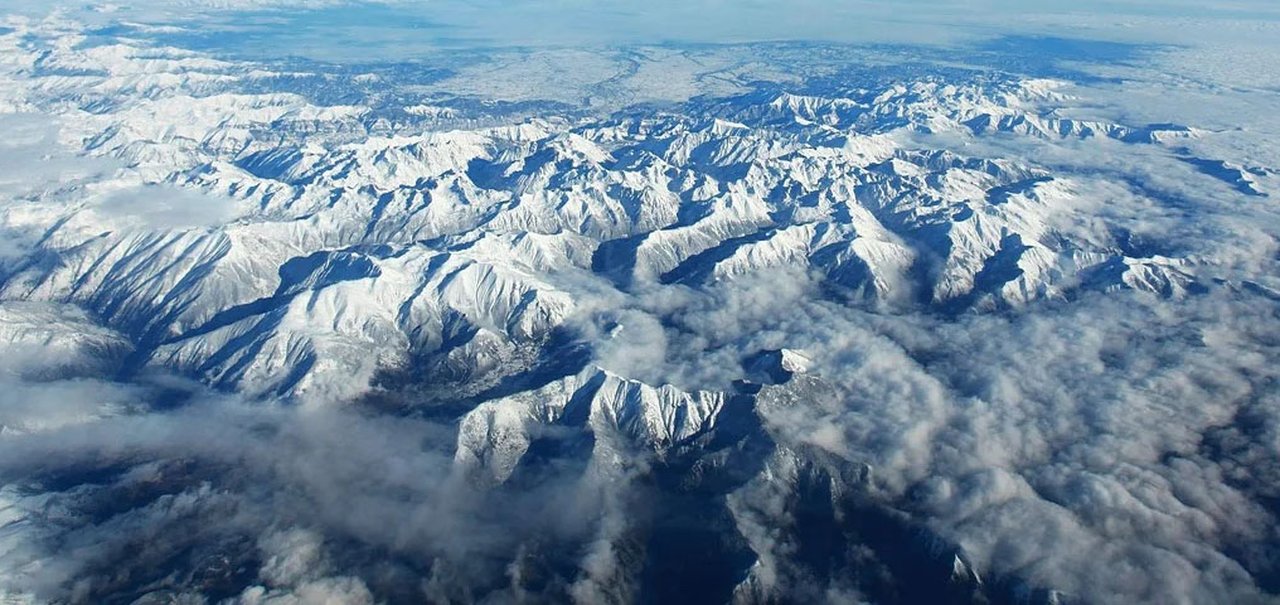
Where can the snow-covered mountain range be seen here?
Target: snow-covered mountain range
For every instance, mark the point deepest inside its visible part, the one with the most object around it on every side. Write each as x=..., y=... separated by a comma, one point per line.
x=315, y=237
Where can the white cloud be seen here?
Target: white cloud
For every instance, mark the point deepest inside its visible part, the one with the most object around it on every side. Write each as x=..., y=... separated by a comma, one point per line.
x=164, y=207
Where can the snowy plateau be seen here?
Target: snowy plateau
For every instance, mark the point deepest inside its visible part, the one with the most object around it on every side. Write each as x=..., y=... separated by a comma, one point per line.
x=758, y=323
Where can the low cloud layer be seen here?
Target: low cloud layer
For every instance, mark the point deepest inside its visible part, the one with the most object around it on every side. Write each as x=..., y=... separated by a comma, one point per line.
x=219, y=494
x=43, y=180
x=1116, y=448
